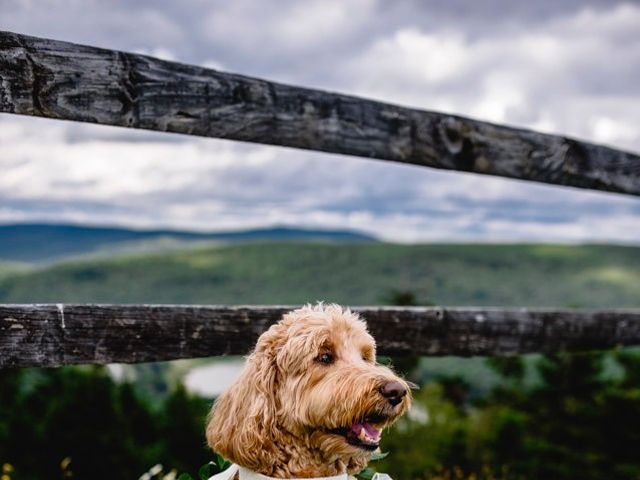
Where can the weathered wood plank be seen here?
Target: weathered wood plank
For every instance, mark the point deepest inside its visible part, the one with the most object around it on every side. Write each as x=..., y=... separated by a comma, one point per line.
x=54, y=335
x=61, y=80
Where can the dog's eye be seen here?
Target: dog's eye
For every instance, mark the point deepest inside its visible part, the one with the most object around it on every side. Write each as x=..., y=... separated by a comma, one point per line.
x=326, y=358
x=367, y=355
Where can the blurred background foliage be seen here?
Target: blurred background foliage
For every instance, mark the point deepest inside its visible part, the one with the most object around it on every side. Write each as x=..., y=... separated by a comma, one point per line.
x=107, y=429
x=576, y=421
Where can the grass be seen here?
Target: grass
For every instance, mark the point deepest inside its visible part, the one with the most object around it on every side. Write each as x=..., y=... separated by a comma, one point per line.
x=9, y=269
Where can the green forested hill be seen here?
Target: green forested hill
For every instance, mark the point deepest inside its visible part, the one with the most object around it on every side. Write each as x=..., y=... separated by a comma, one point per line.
x=10, y=268
x=523, y=275
x=46, y=243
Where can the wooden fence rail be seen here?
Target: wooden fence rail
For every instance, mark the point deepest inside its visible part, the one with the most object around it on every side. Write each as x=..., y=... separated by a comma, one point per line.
x=54, y=335
x=62, y=80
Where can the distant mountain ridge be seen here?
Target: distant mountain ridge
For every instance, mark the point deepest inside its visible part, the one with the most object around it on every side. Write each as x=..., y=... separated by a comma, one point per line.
x=47, y=242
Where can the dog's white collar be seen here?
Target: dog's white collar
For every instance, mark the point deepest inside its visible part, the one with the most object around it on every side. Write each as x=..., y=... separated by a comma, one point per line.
x=246, y=474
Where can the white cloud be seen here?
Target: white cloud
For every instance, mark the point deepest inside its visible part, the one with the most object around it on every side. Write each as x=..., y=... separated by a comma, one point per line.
x=424, y=58
x=611, y=130
x=285, y=28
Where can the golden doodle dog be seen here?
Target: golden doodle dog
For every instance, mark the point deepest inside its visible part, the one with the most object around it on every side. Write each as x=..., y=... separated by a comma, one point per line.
x=311, y=401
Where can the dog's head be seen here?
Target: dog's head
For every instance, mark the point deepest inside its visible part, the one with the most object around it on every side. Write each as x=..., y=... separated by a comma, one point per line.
x=311, y=396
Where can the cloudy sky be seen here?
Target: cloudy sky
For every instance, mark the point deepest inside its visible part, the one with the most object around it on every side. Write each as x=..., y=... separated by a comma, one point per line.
x=570, y=67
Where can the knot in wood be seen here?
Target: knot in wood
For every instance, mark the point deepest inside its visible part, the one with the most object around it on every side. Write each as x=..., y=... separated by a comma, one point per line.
x=451, y=133
x=455, y=138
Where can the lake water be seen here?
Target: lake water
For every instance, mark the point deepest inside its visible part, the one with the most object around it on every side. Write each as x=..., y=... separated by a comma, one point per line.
x=213, y=379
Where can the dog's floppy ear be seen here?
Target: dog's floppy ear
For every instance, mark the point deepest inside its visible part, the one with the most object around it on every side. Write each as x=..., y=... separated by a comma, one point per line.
x=241, y=425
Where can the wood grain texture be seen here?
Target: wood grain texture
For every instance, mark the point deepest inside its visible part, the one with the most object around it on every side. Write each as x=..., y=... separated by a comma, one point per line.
x=61, y=80
x=54, y=335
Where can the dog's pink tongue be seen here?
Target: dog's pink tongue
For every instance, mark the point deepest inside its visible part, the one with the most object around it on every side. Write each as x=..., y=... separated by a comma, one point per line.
x=372, y=434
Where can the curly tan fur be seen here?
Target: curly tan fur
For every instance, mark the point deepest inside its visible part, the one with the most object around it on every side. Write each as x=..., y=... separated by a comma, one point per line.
x=279, y=417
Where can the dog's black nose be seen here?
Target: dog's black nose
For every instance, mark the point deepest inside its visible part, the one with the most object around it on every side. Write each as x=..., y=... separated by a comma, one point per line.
x=393, y=392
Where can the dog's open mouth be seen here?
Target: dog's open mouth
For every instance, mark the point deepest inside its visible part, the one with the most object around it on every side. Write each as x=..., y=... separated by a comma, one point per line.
x=362, y=434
